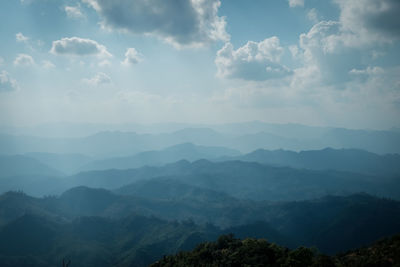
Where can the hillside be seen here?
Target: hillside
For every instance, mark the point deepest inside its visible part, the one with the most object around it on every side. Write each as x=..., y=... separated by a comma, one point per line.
x=242, y=180
x=229, y=251
x=93, y=241
x=19, y=165
x=332, y=224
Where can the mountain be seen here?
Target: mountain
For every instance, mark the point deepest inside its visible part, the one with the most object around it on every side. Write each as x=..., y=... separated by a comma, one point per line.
x=385, y=252
x=66, y=163
x=230, y=251
x=259, y=135
x=245, y=180
x=242, y=180
x=170, y=189
x=33, y=240
x=15, y=204
x=185, y=151
x=248, y=180
x=17, y=165
x=331, y=224
x=349, y=160
x=334, y=223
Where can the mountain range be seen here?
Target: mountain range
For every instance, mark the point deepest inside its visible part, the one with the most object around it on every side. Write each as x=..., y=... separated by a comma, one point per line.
x=265, y=136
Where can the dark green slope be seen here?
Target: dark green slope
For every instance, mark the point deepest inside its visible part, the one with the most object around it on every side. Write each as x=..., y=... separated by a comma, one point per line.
x=331, y=223
x=229, y=251
x=95, y=241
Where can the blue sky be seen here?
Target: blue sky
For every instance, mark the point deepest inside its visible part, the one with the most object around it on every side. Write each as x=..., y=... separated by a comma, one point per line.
x=332, y=62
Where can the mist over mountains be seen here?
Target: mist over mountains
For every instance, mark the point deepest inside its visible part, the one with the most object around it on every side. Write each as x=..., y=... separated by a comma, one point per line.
x=123, y=198
x=244, y=137
x=199, y=133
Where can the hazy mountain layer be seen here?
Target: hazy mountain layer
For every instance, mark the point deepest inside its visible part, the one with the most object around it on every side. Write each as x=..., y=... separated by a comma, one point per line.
x=243, y=180
x=351, y=160
x=17, y=165
x=186, y=151
x=289, y=137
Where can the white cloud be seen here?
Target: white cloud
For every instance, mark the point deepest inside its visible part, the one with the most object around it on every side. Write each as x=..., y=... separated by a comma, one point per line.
x=48, y=64
x=24, y=60
x=99, y=79
x=326, y=56
x=7, y=84
x=371, y=20
x=312, y=15
x=74, y=12
x=253, y=61
x=334, y=47
x=296, y=3
x=182, y=23
x=368, y=71
x=79, y=47
x=331, y=50
x=105, y=63
x=19, y=37
x=132, y=56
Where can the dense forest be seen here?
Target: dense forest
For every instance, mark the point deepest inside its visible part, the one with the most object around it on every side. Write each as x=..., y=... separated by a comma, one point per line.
x=132, y=210
x=95, y=227
x=230, y=251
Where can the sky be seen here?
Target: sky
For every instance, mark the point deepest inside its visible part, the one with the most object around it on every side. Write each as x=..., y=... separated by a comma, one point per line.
x=326, y=63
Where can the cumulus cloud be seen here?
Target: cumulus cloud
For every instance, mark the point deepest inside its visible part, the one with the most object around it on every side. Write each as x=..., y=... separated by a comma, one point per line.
x=132, y=56
x=332, y=51
x=99, y=79
x=79, y=47
x=74, y=12
x=7, y=84
x=296, y=3
x=180, y=22
x=48, y=64
x=328, y=56
x=253, y=61
x=24, y=60
x=19, y=37
x=371, y=20
x=334, y=47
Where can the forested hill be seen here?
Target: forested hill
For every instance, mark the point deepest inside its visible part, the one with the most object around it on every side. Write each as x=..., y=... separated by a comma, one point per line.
x=229, y=251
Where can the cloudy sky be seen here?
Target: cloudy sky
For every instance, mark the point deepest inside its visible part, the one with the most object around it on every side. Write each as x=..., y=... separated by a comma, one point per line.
x=332, y=62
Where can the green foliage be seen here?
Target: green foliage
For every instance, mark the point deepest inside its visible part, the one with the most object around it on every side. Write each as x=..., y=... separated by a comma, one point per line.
x=229, y=251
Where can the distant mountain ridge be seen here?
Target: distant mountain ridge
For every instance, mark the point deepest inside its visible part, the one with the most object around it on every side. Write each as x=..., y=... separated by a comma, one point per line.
x=241, y=179
x=351, y=160
x=66, y=163
x=266, y=136
x=185, y=151
x=19, y=165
